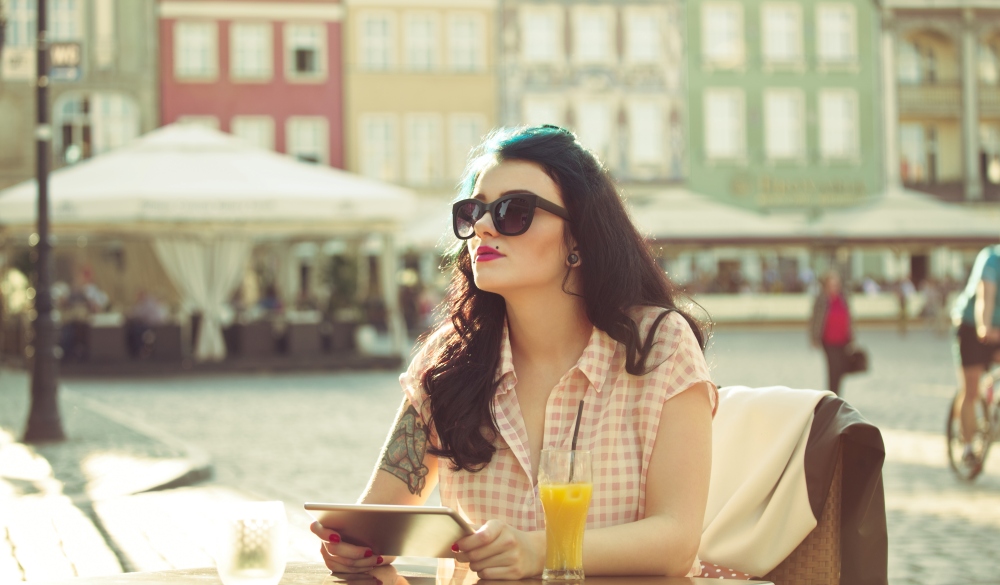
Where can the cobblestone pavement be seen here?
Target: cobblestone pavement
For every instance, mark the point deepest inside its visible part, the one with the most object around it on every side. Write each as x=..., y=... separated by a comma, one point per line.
x=316, y=437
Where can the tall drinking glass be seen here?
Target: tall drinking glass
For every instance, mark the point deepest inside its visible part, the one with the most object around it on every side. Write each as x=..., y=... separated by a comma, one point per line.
x=253, y=543
x=565, y=486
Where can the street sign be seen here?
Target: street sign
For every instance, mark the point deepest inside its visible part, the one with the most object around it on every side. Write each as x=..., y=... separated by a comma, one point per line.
x=65, y=61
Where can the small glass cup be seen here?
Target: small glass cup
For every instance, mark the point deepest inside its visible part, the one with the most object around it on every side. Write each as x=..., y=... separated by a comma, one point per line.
x=565, y=487
x=253, y=543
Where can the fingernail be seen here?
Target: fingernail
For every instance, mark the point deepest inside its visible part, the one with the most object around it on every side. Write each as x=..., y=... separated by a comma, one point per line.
x=379, y=560
x=334, y=538
x=454, y=547
x=368, y=553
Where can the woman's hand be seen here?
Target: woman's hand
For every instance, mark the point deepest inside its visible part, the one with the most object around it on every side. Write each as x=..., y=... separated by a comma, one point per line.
x=341, y=557
x=497, y=551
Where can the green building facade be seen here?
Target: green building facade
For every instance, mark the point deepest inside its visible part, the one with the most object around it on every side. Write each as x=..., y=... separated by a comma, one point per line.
x=784, y=102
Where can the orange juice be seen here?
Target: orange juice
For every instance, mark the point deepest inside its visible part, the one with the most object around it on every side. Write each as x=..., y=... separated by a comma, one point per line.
x=565, y=507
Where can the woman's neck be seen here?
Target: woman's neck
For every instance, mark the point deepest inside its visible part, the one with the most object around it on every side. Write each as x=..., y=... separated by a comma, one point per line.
x=550, y=329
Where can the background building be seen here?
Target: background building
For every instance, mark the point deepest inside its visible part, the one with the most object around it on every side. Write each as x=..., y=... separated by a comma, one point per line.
x=784, y=102
x=269, y=72
x=942, y=98
x=421, y=88
x=103, y=91
x=611, y=71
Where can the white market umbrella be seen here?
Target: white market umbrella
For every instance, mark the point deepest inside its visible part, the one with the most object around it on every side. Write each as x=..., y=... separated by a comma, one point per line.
x=907, y=216
x=681, y=216
x=203, y=196
x=190, y=174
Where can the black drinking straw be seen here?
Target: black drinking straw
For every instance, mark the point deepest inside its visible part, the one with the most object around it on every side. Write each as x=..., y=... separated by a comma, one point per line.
x=576, y=431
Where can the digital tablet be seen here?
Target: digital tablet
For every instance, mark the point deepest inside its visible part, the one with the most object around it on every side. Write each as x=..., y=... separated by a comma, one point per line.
x=415, y=531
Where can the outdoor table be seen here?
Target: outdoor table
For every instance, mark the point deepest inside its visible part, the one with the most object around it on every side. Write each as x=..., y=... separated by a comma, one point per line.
x=318, y=574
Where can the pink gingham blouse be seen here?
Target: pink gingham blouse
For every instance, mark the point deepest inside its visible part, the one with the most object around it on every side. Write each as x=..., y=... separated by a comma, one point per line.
x=619, y=423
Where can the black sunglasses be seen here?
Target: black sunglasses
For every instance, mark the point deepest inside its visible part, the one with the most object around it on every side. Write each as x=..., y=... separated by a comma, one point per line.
x=512, y=214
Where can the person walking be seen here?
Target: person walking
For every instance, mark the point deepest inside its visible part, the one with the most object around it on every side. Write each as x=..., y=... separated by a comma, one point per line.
x=977, y=344
x=830, y=327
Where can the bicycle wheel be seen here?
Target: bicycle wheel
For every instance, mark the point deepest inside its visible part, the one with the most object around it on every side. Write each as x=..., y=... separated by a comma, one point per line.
x=967, y=470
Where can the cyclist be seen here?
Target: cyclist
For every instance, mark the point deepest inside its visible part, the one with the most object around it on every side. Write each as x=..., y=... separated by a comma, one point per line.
x=977, y=311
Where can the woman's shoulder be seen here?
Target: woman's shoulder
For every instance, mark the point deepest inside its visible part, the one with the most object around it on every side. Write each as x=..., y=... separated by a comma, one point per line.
x=670, y=325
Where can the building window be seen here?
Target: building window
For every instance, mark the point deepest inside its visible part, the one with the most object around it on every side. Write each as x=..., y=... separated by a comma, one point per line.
x=88, y=125
x=464, y=133
x=305, y=49
x=722, y=34
x=782, y=38
x=65, y=20
x=784, y=116
x=836, y=39
x=539, y=110
x=307, y=138
x=915, y=154
x=645, y=133
x=908, y=69
x=989, y=64
x=838, y=124
x=21, y=23
x=254, y=130
x=541, y=35
x=104, y=33
x=251, y=50
x=424, y=149
x=421, y=41
x=989, y=138
x=592, y=40
x=642, y=37
x=379, y=146
x=196, y=50
x=725, y=124
x=593, y=125
x=378, y=42
x=467, y=42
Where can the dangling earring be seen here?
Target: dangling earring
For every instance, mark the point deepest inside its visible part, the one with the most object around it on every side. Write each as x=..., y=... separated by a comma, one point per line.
x=573, y=259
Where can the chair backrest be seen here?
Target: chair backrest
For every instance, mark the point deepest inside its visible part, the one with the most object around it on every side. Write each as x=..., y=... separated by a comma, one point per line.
x=816, y=560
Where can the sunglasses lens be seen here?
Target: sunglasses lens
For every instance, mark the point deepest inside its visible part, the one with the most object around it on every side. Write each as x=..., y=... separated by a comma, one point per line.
x=512, y=216
x=466, y=216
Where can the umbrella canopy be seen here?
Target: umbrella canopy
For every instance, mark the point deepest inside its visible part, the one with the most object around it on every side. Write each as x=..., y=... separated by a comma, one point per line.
x=680, y=216
x=186, y=174
x=902, y=216
x=899, y=216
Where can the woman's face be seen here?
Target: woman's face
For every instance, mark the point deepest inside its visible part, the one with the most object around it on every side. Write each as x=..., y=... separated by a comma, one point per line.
x=536, y=258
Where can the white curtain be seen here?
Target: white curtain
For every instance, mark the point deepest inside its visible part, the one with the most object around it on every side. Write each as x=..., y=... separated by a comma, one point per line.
x=206, y=272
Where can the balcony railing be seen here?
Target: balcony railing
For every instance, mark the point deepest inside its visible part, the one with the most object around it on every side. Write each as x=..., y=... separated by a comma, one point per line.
x=930, y=100
x=989, y=101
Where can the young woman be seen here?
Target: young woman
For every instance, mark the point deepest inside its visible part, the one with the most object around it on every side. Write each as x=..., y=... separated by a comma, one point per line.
x=555, y=298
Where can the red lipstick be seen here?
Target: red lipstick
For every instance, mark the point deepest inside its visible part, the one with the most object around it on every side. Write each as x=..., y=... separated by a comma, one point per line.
x=486, y=253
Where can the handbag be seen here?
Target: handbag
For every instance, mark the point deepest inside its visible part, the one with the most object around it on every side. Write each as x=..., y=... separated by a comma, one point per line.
x=855, y=359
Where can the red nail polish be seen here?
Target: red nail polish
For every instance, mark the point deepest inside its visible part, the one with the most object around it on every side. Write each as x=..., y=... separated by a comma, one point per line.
x=334, y=538
x=379, y=560
x=368, y=553
x=454, y=547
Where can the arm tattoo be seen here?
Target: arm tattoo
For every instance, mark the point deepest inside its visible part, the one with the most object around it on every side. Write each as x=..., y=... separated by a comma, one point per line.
x=404, y=452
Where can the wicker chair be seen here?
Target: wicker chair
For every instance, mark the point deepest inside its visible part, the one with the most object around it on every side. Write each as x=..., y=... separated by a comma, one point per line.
x=756, y=511
x=848, y=545
x=817, y=559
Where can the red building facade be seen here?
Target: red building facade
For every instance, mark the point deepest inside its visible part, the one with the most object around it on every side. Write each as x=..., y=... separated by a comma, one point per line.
x=267, y=71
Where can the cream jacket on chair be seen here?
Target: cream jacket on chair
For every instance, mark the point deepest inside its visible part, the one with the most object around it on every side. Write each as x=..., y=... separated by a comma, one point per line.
x=758, y=503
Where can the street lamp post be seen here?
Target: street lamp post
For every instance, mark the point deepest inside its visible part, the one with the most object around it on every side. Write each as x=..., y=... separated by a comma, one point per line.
x=44, y=424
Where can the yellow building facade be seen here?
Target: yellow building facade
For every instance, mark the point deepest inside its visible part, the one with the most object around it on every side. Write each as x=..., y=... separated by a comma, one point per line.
x=420, y=88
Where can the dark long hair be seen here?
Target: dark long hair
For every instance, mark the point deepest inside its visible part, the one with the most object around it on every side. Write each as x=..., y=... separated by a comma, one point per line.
x=618, y=272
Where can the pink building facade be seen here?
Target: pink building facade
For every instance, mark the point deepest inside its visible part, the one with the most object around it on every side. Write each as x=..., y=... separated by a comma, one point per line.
x=267, y=71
